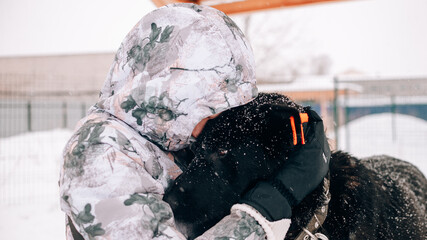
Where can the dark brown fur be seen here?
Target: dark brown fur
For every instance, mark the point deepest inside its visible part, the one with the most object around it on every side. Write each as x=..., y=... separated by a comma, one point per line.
x=374, y=198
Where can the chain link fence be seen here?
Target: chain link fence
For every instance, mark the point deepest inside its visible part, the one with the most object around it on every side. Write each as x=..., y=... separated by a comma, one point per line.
x=370, y=116
x=37, y=115
x=29, y=115
x=381, y=116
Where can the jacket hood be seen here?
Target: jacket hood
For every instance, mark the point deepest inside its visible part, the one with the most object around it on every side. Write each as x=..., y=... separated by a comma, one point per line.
x=179, y=64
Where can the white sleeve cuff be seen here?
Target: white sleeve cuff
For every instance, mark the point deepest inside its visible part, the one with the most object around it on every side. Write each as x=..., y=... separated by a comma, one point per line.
x=274, y=230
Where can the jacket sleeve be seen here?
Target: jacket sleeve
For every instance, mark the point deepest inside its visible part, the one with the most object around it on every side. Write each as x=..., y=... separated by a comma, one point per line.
x=111, y=190
x=111, y=187
x=245, y=222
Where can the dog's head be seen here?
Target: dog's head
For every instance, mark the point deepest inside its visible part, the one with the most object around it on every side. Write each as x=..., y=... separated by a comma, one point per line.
x=233, y=152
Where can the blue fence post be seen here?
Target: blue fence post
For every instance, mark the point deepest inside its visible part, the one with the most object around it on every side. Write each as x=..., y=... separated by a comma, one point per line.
x=64, y=114
x=346, y=121
x=336, y=118
x=29, y=116
x=83, y=106
x=393, y=117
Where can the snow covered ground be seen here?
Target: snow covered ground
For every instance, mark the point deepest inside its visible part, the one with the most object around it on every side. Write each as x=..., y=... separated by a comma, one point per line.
x=29, y=170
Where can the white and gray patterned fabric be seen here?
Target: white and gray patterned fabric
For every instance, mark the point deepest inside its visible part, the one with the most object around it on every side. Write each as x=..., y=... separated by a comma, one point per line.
x=179, y=64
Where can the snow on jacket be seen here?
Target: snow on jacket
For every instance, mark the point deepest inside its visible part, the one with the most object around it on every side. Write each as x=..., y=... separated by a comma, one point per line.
x=179, y=64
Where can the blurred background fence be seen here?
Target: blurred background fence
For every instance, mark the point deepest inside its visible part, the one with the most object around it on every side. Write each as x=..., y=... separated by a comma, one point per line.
x=37, y=114
x=375, y=115
x=20, y=116
x=362, y=115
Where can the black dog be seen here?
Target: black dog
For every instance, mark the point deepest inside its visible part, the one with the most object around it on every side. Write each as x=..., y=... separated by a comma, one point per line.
x=374, y=198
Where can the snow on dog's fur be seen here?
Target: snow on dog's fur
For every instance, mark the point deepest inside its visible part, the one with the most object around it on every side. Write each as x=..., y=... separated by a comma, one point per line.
x=372, y=198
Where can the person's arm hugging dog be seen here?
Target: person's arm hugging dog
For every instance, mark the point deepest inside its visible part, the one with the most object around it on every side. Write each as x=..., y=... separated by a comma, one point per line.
x=178, y=67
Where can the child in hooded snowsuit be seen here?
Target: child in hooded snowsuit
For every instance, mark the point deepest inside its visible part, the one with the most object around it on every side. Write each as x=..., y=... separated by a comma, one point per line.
x=180, y=64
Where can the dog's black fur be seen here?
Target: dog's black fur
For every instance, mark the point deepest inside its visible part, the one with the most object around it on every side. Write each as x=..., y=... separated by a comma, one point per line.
x=373, y=198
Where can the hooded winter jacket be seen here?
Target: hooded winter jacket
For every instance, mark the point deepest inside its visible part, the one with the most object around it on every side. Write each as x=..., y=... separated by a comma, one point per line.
x=179, y=64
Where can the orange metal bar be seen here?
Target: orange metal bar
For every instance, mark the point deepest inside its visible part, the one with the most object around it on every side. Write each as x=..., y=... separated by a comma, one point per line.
x=240, y=6
x=256, y=5
x=160, y=3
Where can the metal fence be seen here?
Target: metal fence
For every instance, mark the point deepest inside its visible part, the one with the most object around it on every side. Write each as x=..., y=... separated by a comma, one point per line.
x=20, y=116
x=29, y=154
x=378, y=115
x=33, y=131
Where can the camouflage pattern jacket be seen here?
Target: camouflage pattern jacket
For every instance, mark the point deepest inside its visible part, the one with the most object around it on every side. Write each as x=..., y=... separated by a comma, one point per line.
x=179, y=64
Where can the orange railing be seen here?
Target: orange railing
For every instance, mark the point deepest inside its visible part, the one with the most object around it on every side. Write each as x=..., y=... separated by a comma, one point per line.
x=240, y=6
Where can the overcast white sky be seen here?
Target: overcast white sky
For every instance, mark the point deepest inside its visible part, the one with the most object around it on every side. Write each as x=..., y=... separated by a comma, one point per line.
x=376, y=36
x=29, y=27
x=386, y=37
